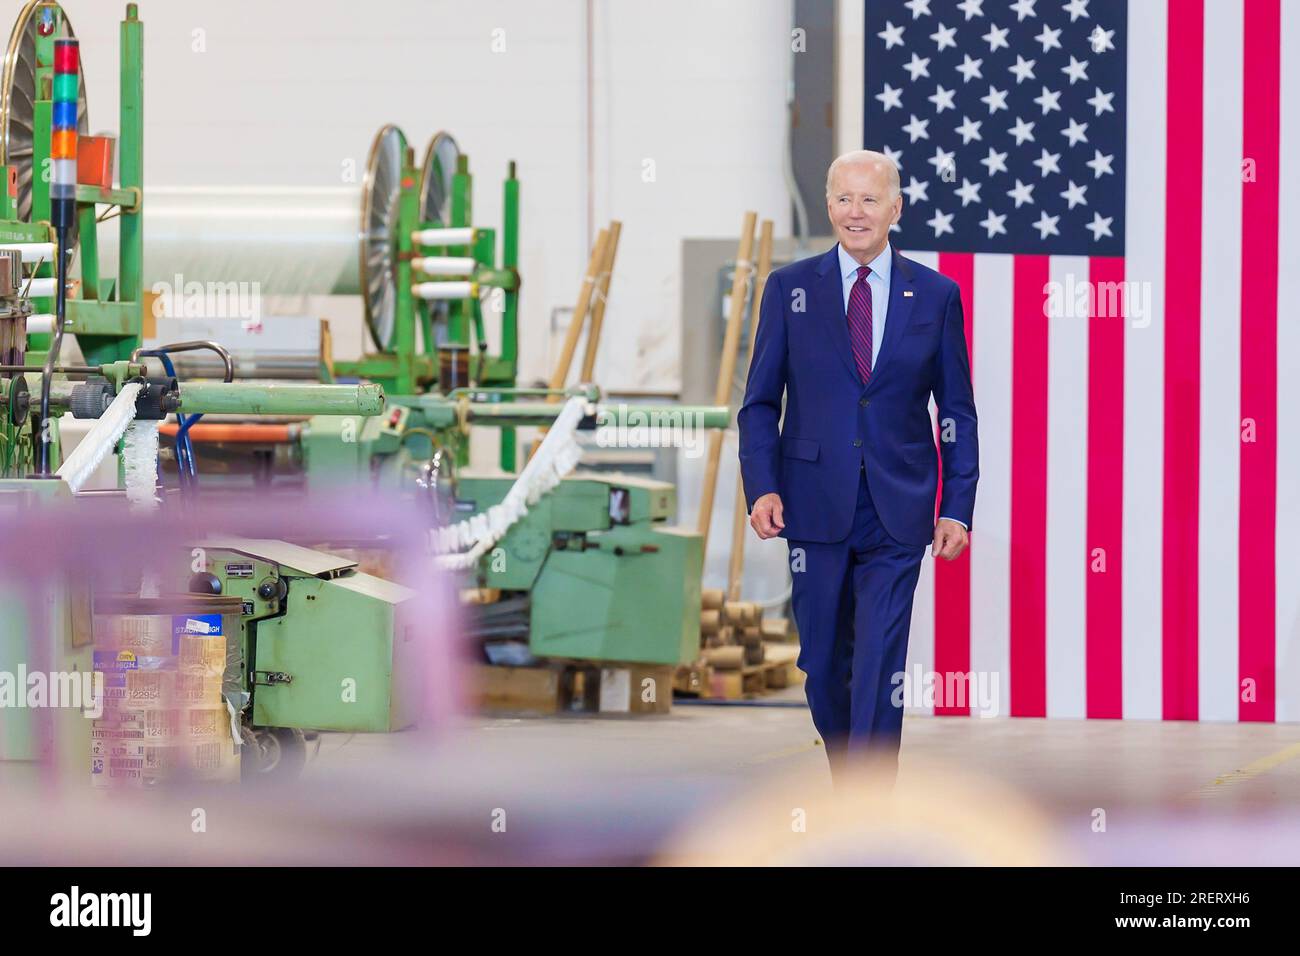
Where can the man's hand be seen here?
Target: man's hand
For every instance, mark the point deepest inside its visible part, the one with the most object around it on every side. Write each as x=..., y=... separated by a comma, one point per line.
x=950, y=539
x=767, y=517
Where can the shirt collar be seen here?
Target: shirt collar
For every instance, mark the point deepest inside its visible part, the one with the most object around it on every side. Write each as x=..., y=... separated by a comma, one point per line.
x=880, y=266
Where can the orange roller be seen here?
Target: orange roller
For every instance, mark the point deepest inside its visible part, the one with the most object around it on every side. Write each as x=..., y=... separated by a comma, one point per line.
x=237, y=433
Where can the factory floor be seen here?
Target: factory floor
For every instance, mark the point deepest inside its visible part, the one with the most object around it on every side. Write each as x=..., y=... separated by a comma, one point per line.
x=705, y=784
x=998, y=790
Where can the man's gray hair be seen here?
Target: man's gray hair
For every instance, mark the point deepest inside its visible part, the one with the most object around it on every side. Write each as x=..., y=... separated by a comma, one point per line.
x=864, y=157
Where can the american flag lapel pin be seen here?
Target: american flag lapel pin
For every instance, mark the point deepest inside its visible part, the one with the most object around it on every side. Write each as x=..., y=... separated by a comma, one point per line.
x=907, y=293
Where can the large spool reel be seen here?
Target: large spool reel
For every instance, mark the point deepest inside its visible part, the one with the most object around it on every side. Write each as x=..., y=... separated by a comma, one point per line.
x=18, y=95
x=381, y=193
x=380, y=202
x=441, y=157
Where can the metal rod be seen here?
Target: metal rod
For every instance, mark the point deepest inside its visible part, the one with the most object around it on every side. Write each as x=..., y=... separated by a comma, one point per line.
x=255, y=398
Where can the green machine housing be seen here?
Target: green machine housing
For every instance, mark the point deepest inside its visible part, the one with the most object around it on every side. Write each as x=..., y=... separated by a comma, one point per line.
x=609, y=579
x=324, y=646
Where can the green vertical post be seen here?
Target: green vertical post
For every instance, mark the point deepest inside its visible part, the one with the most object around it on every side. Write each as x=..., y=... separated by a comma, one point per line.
x=131, y=164
x=462, y=212
x=510, y=318
x=407, y=219
x=42, y=114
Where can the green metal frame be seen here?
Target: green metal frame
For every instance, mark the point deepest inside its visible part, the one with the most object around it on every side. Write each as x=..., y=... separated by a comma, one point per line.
x=408, y=371
x=106, y=313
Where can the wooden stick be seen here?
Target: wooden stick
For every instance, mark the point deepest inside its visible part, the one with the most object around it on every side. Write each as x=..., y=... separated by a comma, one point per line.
x=598, y=310
x=727, y=371
x=561, y=373
x=736, y=571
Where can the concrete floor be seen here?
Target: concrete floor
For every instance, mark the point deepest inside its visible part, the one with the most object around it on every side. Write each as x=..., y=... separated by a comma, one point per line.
x=710, y=784
x=1047, y=790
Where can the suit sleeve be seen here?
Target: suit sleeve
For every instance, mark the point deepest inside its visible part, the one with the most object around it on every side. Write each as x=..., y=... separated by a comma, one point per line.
x=958, y=432
x=759, y=417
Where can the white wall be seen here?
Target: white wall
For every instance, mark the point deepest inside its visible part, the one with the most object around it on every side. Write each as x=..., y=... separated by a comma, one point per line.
x=292, y=92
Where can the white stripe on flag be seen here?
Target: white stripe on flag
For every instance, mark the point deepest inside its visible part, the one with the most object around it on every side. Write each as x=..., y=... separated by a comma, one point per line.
x=990, y=572
x=1067, y=493
x=1144, y=360
x=1288, y=379
x=920, y=647
x=1217, y=655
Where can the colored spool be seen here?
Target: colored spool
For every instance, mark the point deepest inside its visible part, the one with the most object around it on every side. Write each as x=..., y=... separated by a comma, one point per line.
x=65, y=88
x=65, y=56
x=63, y=144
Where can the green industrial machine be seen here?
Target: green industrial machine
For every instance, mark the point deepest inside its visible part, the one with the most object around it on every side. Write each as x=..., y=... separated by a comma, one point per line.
x=599, y=572
x=309, y=620
x=324, y=646
x=425, y=267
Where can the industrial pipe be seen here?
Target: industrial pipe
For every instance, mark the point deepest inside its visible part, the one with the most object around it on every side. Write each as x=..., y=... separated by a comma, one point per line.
x=255, y=398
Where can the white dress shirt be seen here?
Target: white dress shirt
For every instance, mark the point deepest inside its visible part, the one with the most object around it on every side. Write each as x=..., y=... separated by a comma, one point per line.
x=878, y=282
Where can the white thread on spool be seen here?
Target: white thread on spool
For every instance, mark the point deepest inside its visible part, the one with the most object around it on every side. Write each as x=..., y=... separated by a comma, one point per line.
x=40, y=287
x=445, y=290
x=458, y=236
x=31, y=251
x=445, y=265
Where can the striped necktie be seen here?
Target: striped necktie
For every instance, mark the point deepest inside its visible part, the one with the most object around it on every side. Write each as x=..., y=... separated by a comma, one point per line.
x=860, y=323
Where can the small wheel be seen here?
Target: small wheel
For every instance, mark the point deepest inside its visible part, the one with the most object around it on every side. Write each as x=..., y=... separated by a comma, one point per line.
x=274, y=753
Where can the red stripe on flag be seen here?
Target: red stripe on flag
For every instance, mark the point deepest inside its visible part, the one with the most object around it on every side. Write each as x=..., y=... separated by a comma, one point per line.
x=1029, y=487
x=952, y=578
x=1105, y=522
x=1256, y=566
x=1182, y=451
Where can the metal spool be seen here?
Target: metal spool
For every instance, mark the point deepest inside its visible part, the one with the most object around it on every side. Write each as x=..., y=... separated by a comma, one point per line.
x=380, y=201
x=18, y=95
x=441, y=157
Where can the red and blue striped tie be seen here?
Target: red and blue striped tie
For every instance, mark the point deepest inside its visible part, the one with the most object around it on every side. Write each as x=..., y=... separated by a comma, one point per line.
x=860, y=323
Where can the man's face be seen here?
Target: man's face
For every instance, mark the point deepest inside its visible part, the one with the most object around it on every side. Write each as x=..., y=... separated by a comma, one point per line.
x=861, y=209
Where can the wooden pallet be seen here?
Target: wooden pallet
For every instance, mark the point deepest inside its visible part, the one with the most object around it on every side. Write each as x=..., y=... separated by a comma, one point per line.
x=570, y=686
x=777, y=671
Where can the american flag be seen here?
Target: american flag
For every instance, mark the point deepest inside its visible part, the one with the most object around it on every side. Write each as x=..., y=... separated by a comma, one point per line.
x=1103, y=180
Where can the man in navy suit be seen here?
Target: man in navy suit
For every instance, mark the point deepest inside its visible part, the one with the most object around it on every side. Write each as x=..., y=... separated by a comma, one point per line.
x=857, y=340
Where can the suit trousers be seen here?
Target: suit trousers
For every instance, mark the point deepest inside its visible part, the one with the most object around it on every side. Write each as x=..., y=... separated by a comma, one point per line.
x=852, y=604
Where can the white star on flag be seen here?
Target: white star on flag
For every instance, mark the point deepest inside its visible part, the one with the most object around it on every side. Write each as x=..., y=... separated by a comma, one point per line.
x=996, y=100
x=1100, y=225
x=1100, y=165
x=996, y=162
x=969, y=130
x=916, y=128
x=942, y=99
x=1076, y=9
x=1022, y=131
x=997, y=38
x=1074, y=195
x=1024, y=8
x=1075, y=132
x=1046, y=225
x=994, y=223
x=892, y=35
x=1022, y=194
x=1048, y=162
x=969, y=192
x=1101, y=102
x=945, y=37
x=940, y=222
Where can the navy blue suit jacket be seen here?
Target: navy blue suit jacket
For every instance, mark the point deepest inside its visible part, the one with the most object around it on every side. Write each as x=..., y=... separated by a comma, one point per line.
x=833, y=424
